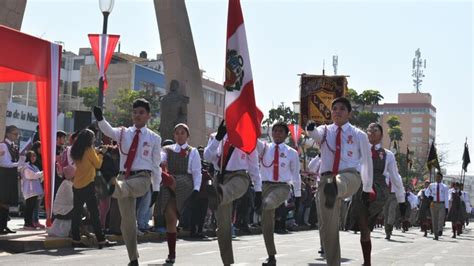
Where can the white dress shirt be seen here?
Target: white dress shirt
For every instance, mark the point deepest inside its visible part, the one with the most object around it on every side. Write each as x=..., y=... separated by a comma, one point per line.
x=443, y=193
x=314, y=166
x=450, y=194
x=194, y=162
x=392, y=176
x=288, y=168
x=413, y=200
x=239, y=160
x=355, y=152
x=148, y=156
x=5, y=156
x=467, y=200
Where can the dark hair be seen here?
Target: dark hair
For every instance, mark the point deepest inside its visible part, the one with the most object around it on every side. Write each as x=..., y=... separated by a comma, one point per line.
x=36, y=146
x=84, y=140
x=183, y=126
x=344, y=101
x=440, y=174
x=281, y=124
x=10, y=129
x=28, y=156
x=167, y=142
x=60, y=133
x=378, y=126
x=141, y=103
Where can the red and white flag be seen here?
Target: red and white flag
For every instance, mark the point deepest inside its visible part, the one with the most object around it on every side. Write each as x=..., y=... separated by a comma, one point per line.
x=295, y=131
x=103, y=47
x=242, y=116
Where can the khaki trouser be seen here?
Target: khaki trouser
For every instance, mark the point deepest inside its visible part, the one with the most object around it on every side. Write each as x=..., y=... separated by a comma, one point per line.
x=438, y=213
x=390, y=213
x=348, y=182
x=234, y=186
x=273, y=195
x=126, y=192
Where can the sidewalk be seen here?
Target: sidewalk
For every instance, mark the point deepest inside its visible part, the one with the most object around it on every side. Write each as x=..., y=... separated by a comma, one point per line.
x=29, y=240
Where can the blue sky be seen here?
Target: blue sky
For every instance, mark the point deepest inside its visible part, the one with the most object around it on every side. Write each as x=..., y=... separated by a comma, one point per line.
x=375, y=42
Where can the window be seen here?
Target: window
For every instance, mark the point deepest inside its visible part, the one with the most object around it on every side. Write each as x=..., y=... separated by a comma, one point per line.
x=75, y=84
x=217, y=121
x=210, y=97
x=209, y=121
x=417, y=120
x=62, y=86
x=63, y=63
x=77, y=64
x=416, y=130
x=415, y=140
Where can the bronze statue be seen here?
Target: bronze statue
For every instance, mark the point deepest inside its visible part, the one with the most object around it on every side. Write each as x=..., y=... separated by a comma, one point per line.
x=174, y=110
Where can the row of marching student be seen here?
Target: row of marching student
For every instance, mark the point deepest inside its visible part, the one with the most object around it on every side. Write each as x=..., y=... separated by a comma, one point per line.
x=357, y=183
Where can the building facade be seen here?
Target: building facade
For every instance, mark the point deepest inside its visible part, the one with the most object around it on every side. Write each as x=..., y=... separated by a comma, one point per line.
x=417, y=121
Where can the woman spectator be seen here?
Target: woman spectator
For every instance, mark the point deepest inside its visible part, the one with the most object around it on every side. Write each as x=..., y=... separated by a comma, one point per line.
x=32, y=189
x=36, y=147
x=87, y=160
x=184, y=164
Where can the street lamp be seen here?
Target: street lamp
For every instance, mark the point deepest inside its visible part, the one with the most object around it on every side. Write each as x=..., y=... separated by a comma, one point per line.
x=106, y=7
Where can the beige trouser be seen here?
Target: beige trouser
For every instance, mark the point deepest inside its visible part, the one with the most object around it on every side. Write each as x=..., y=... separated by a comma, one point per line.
x=390, y=212
x=348, y=183
x=234, y=186
x=273, y=195
x=437, y=216
x=126, y=192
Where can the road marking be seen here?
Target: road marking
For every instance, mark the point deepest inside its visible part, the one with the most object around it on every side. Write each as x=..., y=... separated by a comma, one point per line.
x=437, y=257
x=204, y=253
x=276, y=256
x=69, y=257
x=244, y=247
x=306, y=250
x=152, y=261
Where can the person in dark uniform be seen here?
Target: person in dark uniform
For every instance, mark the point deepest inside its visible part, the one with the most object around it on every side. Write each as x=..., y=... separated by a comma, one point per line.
x=424, y=215
x=183, y=163
x=365, y=207
x=9, y=162
x=455, y=214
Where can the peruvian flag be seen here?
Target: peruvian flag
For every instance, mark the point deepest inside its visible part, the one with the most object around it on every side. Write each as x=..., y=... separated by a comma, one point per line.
x=295, y=131
x=242, y=116
x=103, y=47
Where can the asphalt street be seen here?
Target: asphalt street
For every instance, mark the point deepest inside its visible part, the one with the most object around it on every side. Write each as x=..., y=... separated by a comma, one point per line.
x=295, y=248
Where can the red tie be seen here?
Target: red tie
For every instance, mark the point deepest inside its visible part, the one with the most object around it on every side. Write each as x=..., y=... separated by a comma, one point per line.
x=131, y=154
x=276, y=164
x=227, y=146
x=337, y=156
x=182, y=153
x=437, y=192
x=374, y=152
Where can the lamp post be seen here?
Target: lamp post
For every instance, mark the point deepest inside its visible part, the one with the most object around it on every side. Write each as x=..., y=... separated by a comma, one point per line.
x=106, y=7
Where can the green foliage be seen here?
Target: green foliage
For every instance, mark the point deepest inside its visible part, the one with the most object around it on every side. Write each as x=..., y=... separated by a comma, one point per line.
x=395, y=133
x=363, y=119
x=122, y=115
x=393, y=121
x=90, y=96
x=281, y=113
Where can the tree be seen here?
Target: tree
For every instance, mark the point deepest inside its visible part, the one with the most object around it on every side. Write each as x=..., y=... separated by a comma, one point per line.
x=371, y=98
x=393, y=121
x=395, y=133
x=281, y=113
x=90, y=96
x=122, y=115
x=363, y=119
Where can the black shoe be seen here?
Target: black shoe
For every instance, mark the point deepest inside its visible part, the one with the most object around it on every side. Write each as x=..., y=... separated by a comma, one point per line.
x=269, y=261
x=78, y=244
x=388, y=236
x=133, y=263
x=9, y=231
x=106, y=244
x=330, y=192
x=3, y=232
x=435, y=238
x=426, y=234
x=440, y=233
x=321, y=251
x=170, y=260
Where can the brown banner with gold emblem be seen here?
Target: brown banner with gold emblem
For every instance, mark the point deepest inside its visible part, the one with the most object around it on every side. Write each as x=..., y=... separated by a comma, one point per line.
x=316, y=95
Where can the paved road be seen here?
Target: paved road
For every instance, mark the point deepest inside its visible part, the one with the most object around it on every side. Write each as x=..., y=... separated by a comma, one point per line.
x=297, y=248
